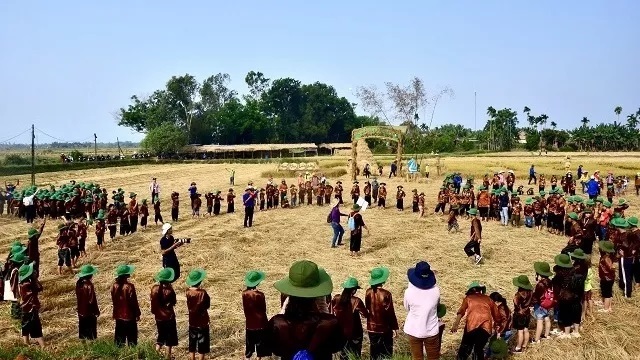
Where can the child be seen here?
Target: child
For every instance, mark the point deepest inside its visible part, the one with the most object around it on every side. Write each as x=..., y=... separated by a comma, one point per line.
x=255, y=312
x=74, y=251
x=197, y=203
x=82, y=237
x=88, y=310
x=124, y=221
x=175, y=205
x=29, y=289
x=163, y=300
x=607, y=274
x=521, y=311
x=216, y=203
x=543, y=301
x=472, y=249
x=414, y=205
x=452, y=222
x=294, y=195
x=516, y=212
x=126, y=311
x=198, y=303
x=209, y=197
x=64, y=254
x=587, y=299
x=503, y=324
x=100, y=230
x=230, y=201
x=400, y=194
x=382, y=196
x=421, y=205
x=156, y=209
x=262, y=196
x=144, y=213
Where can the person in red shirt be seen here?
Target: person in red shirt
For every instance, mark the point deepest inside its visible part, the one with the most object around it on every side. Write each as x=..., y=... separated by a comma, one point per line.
x=198, y=303
x=255, y=311
x=163, y=300
x=87, y=308
x=144, y=214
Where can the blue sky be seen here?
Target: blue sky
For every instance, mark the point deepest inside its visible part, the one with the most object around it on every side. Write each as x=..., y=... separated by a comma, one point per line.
x=67, y=66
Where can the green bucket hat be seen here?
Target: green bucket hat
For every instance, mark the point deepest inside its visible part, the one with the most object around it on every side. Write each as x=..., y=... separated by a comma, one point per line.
x=32, y=232
x=552, y=192
x=573, y=216
x=578, y=254
x=144, y=201
x=305, y=280
x=542, y=268
x=578, y=199
x=622, y=202
x=165, y=275
x=25, y=271
x=620, y=223
x=481, y=188
x=18, y=249
x=522, y=282
x=19, y=258
x=87, y=270
x=607, y=246
x=590, y=202
x=355, y=207
x=100, y=216
x=441, y=311
x=563, y=260
x=600, y=199
x=543, y=193
x=195, y=277
x=15, y=242
x=253, y=278
x=633, y=221
x=606, y=204
x=529, y=201
x=473, y=211
x=132, y=195
x=351, y=283
x=476, y=284
x=122, y=270
x=379, y=276
x=499, y=349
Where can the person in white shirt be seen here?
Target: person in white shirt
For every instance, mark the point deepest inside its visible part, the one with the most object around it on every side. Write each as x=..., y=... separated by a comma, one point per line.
x=29, y=205
x=154, y=188
x=421, y=300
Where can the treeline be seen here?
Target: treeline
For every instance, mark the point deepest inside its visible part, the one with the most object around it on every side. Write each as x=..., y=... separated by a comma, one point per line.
x=274, y=111
x=70, y=145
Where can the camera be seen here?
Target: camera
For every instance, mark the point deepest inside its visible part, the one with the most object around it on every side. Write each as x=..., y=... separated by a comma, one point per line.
x=183, y=241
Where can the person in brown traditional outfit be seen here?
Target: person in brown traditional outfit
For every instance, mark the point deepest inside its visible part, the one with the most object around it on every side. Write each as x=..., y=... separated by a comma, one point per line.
x=421, y=205
x=414, y=201
x=64, y=254
x=382, y=196
x=349, y=308
x=472, y=249
x=382, y=323
x=144, y=214
x=355, y=192
x=74, y=250
x=230, y=201
x=254, y=306
x=328, y=191
x=319, y=192
x=87, y=304
x=367, y=192
x=33, y=246
x=163, y=301
x=483, y=203
x=196, y=204
x=355, y=241
x=400, y=194
x=126, y=310
x=216, y=202
x=522, y=302
x=175, y=205
x=100, y=230
x=198, y=303
x=293, y=192
x=133, y=213
x=338, y=192
x=29, y=289
x=125, y=226
x=309, y=189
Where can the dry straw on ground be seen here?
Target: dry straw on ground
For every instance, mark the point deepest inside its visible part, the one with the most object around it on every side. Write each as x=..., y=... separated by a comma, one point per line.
x=397, y=240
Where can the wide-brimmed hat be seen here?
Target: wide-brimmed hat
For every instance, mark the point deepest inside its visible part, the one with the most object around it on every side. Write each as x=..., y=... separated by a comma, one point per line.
x=351, y=283
x=529, y=201
x=619, y=223
x=356, y=182
x=196, y=276
x=19, y=258
x=499, y=348
x=165, y=275
x=253, y=278
x=606, y=204
x=144, y=201
x=633, y=221
x=522, y=281
x=132, y=195
x=622, y=202
x=400, y=187
x=441, y=311
x=607, y=246
x=356, y=207
x=17, y=249
x=421, y=276
x=563, y=260
x=578, y=254
x=32, y=232
x=383, y=184
x=25, y=271
x=166, y=227
x=100, y=216
x=87, y=270
x=122, y=270
x=305, y=280
x=378, y=276
x=590, y=202
x=573, y=216
x=476, y=285
x=543, y=193
x=473, y=211
x=542, y=268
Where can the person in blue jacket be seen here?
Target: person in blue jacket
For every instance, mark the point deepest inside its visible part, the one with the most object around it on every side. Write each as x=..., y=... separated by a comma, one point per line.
x=593, y=188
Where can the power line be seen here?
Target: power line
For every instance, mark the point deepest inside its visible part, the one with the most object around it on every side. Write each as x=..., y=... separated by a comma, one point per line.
x=13, y=137
x=58, y=139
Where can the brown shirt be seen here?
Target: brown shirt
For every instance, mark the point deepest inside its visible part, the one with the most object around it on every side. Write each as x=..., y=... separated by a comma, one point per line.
x=255, y=309
x=317, y=333
x=349, y=316
x=522, y=302
x=198, y=303
x=606, y=270
x=162, y=303
x=86, y=296
x=125, y=302
x=503, y=323
x=382, y=315
x=476, y=229
x=481, y=312
x=29, y=290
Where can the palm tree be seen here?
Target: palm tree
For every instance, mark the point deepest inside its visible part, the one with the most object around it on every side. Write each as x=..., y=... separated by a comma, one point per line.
x=618, y=110
x=585, y=121
x=632, y=121
x=543, y=119
x=553, y=125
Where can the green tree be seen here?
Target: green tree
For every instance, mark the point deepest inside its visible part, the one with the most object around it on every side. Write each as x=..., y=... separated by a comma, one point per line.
x=502, y=128
x=166, y=138
x=618, y=111
x=585, y=122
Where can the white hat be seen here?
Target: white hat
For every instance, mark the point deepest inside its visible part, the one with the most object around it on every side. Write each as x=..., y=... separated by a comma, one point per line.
x=510, y=171
x=165, y=227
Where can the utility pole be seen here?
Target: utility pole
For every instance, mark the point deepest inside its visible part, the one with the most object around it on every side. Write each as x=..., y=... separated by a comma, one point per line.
x=475, y=111
x=33, y=155
x=95, y=146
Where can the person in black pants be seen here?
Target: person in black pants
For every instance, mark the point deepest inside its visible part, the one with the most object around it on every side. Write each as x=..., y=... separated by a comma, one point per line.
x=532, y=175
x=394, y=169
x=249, y=201
x=167, y=246
x=476, y=333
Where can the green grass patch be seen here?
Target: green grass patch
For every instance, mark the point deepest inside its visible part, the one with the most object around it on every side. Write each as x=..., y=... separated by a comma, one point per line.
x=97, y=350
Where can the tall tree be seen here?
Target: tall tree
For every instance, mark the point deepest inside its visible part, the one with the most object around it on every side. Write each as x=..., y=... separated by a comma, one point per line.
x=503, y=128
x=618, y=111
x=553, y=125
x=257, y=83
x=585, y=122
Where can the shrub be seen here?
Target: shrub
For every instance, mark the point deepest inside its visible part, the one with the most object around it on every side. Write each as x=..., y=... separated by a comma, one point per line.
x=75, y=154
x=15, y=159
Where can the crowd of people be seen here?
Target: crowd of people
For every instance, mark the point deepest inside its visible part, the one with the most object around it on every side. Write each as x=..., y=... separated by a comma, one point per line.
x=312, y=323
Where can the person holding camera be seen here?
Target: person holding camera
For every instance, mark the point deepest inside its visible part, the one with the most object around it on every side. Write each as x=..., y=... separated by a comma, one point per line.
x=168, y=246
